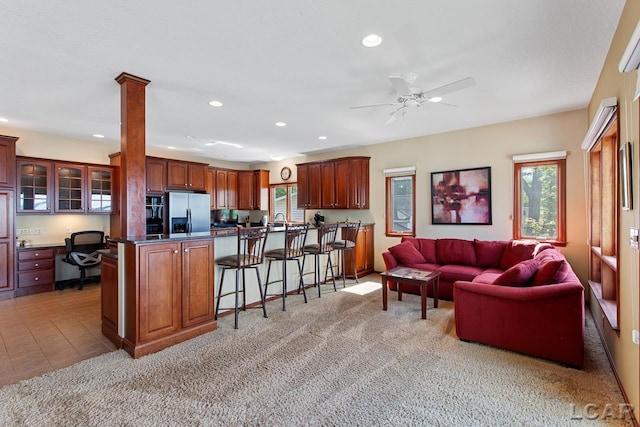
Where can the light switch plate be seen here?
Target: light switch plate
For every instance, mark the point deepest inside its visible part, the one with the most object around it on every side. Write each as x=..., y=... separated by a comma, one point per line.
x=633, y=238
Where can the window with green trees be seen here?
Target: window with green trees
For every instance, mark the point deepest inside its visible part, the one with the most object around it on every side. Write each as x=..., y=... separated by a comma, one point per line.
x=400, y=212
x=539, y=211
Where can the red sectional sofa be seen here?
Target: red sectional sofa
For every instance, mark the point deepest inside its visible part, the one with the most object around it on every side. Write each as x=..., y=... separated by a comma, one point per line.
x=517, y=295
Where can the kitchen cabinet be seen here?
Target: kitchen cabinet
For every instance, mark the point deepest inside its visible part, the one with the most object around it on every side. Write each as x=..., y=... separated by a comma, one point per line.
x=100, y=190
x=34, y=186
x=7, y=243
x=253, y=190
x=156, y=173
x=109, y=294
x=358, y=180
x=8, y=162
x=210, y=182
x=341, y=183
x=186, y=176
x=363, y=252
x=232, y=189
x=335, y=184
x=36, y=271
x=7, y=214
x=69, y=187
x=309, y=182
x=172, y=299
x=226, y=189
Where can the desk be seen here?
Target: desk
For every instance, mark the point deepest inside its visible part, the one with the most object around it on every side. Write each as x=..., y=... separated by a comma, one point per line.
x=412, y=276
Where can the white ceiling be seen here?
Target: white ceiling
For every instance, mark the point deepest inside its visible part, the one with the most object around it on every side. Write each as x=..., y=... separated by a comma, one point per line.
x=297, y=61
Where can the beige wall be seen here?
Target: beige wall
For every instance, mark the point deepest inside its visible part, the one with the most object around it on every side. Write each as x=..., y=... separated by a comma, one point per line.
x=613, y=83
x=491, y=146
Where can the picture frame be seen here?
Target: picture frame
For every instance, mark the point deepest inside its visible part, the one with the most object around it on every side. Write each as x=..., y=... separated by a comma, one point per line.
x=626, y=190
x=461, y=197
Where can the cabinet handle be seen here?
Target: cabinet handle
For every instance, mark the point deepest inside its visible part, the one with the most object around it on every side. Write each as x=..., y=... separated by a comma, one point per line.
x=175, y=251
x=37, y=254
x=186, y=250
x=37, y=265
x=36, y=278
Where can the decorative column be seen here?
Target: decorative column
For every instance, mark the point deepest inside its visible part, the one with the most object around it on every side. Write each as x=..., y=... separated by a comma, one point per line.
x=132, y=177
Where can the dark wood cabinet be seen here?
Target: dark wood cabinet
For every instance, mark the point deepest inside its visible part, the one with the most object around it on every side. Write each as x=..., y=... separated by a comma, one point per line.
x=69, y=187
x=363, y=252
x=8, y=162
x=100, y=190
x=222, y=200
x=7, y=243
x=109, y=295
x=210, y=184
x=34, y=186
x=156, y=172
x=253, y=190
x=309, y=185
x=185, y=176
x=232, y=189
x=358, y=183
x=173, y=297
x=341, y=183
x=36, y=271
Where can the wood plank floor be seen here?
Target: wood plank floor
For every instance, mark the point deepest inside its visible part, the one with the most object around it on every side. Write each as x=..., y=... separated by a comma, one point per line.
x=48, y=331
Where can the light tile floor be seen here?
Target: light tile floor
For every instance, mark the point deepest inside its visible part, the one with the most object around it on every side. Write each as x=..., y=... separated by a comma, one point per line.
x=48, y=331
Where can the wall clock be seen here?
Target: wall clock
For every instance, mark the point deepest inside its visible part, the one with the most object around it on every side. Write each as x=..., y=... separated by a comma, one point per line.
x=285, y=173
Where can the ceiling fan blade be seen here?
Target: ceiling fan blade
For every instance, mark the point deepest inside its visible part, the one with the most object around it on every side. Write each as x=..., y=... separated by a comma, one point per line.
x=448, y=88
x=393, y=116
x=400, y=85
x=375, y=105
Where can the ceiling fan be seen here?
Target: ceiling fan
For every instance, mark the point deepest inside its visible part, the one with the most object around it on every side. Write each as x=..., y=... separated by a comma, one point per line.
x=410, y=96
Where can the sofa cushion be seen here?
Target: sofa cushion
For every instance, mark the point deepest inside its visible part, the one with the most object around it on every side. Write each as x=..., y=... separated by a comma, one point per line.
x=427, y=247
x=406, y=253
x=553, y=271
x=518, y=275
x=453, y=272
x=488, y=252
x=427, y=266
x=487, y=277
x=518, y=250
x=455, y=251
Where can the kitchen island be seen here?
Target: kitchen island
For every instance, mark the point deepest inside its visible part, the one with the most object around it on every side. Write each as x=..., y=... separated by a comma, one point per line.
x=165, y=285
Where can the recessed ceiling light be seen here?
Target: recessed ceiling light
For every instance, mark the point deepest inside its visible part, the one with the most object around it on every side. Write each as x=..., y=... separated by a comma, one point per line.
x=190, y=137
x=215, y=103
x=435, y=99
x=97, y=135
x=372, y=40
x=2, y=119
x=281, y=124
x=171, y=148
x=277, y=158
x=322, y=137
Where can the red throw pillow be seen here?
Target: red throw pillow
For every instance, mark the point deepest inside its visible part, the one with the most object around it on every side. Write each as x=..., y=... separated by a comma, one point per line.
x=518, y=250
x=554, y=271
x=489, y=253
x=518, y=275
x=406, y=253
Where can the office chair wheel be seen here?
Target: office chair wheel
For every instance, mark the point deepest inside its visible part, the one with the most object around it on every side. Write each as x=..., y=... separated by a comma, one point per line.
x=59, y=286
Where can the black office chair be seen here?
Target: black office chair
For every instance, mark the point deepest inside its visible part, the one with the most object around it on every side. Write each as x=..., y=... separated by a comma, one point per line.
x=82, y=252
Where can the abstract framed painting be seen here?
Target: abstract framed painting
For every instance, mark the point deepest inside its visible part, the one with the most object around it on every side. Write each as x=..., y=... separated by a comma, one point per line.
x=461, y=196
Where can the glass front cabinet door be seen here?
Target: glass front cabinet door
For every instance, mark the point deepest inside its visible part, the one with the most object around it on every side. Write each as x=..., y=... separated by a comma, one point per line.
x=100, y=190
x=34, y=189
x=69, y=187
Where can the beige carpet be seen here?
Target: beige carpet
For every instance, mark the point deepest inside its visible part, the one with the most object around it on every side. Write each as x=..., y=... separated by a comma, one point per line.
x=338, y=360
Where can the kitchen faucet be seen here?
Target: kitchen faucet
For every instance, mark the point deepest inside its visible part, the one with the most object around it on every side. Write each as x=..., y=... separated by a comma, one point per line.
x=284, y=219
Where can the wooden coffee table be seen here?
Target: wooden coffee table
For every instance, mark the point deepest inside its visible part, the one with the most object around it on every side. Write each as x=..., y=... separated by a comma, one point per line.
x=406, y=275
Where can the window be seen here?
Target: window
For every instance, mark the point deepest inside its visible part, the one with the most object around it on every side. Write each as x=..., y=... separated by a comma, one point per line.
x=284, y=202
x=603, y=223
x=539, y=211
x=400, y=209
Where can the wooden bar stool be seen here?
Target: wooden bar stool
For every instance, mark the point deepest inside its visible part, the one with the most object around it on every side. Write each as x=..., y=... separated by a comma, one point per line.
x=350, y=235
x=326, y=239
x=250, y=254
x=295, y=236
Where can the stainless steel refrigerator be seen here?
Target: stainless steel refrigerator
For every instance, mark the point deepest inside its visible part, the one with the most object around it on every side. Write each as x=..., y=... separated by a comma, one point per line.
x=189, y=212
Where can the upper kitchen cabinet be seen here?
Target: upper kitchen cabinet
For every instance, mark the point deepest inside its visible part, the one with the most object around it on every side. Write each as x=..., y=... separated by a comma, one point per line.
x=156, y=172
x=34, y=186
x=210, y=182
x=253, y=190
x=186, y=176
x=8, y=161
x=341, y=183
x=100, y=184
x=309, y=180
x=70, y=184
x=226, y=189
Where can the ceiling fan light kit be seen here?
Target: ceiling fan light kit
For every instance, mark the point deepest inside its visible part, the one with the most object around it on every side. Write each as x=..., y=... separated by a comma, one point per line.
x=413, y=97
